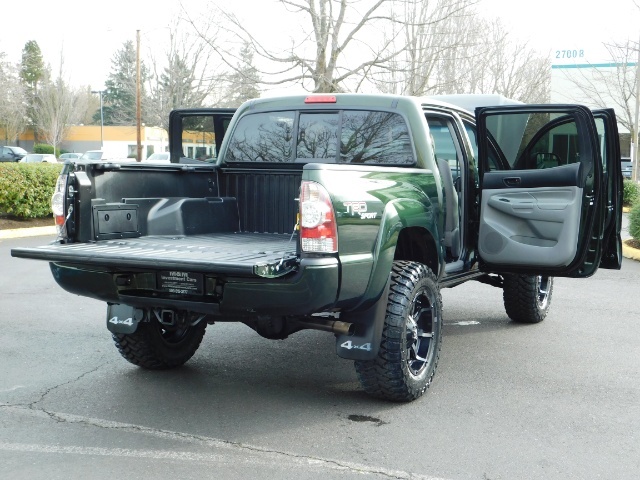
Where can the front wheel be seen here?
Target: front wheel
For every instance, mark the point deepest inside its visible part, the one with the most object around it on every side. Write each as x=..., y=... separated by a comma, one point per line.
x=527, y=298
x=156, y=346
x=411, y=336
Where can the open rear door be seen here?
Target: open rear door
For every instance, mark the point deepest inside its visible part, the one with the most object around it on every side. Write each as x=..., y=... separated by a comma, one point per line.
x=544, y=190
x=607, y=126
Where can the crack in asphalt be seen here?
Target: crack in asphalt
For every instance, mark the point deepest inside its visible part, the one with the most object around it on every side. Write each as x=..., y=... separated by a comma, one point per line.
x=59, y=417
x=301, y=459
x=33, y=404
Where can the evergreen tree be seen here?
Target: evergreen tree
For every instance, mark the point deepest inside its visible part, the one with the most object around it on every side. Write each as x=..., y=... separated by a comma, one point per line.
x=120, y=95
x=32, y=69
x=32, y=73
x=243, y=82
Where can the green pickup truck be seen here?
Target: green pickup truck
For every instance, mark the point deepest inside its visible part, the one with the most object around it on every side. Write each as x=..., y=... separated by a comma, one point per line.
x=344, y=213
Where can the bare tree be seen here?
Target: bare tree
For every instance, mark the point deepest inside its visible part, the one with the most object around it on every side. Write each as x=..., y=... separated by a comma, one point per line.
x=13, y=105
x=514, y=69
x=414, y=47
x=243, y=83
x=429, y=33
x=88, y=104
x=183, y=78
x=57, y=108
x=340, y=44
x=451, y=49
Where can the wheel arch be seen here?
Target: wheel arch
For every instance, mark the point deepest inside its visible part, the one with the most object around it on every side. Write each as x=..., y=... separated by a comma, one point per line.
x=417, y=244
x=408, y=231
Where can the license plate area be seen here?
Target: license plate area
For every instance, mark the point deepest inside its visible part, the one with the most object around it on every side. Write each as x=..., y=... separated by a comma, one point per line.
x=183, y=283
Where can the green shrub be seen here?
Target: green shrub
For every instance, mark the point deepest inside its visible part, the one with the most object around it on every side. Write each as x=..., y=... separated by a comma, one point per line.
x=631, y=192
x=26, y=188
x=634, y=222
x=43, y=148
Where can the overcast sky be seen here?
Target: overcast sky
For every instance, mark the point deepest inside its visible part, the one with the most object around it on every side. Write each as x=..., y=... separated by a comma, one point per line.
x=87, y=33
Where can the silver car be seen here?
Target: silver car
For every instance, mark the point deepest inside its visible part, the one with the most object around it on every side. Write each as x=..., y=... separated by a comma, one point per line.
x=39, y=158
x=69, y=156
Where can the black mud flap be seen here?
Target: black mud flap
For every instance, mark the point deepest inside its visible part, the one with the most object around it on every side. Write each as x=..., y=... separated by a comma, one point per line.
x=123, y=318
x=365, y=342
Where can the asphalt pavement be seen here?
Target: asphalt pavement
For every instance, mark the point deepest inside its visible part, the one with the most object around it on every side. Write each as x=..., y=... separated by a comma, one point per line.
x=555, y=400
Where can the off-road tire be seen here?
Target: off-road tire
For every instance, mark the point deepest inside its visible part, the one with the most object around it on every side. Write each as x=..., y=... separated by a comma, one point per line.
x=411, y=337
x=527, y=297
x=156, y=347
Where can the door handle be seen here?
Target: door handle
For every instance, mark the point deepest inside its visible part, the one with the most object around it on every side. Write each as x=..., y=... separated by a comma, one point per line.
x=512, y=181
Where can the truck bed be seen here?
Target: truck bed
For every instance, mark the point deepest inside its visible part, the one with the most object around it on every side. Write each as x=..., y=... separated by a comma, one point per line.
x=240, y=253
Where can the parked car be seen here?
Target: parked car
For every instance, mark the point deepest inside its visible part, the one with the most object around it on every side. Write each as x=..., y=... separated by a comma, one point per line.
x=103, y=155
x=12, y=154
x=161, y=157
x=69, y=156
x=92, y=155
x=39, y=158
x=627, y=167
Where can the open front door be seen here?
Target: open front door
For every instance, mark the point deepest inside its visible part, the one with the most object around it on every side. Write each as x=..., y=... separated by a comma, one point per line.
x=544, y=190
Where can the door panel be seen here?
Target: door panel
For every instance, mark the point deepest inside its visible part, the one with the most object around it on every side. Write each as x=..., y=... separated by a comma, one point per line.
x=520, y=226
x=539, y=202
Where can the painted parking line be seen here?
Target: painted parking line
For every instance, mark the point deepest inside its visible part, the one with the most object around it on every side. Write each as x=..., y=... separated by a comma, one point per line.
x=249, y=454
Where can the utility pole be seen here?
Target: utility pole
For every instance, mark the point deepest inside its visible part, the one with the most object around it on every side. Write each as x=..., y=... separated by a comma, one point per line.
x=138, y=103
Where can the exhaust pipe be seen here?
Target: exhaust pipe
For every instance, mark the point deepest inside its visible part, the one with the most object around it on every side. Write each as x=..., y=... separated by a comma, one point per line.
x=333, y=326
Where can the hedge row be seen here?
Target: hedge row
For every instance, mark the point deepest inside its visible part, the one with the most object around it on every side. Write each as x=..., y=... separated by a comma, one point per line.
x=26, y=188
x=630, y=193
x=631, y=198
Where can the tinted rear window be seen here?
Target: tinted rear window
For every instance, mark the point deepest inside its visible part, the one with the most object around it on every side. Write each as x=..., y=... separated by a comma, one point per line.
x=349, y=136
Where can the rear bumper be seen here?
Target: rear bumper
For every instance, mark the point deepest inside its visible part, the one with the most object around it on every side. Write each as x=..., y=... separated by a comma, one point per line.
x=312, y=288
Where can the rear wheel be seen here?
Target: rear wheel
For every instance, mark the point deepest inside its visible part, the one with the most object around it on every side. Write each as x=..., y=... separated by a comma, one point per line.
x=411, y=337
x=527, y=298
x=156, y=346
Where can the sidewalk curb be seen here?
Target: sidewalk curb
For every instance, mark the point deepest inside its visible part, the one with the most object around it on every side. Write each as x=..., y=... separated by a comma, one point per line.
x=629, y=252
x=27, y=232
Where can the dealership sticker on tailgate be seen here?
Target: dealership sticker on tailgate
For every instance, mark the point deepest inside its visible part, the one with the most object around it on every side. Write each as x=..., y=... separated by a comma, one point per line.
x=181, y=282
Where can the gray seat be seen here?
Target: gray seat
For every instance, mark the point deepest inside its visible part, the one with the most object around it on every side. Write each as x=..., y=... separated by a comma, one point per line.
x=452, y=218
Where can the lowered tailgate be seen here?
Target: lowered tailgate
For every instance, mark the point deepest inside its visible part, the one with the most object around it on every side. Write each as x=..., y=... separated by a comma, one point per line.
x=246, y=254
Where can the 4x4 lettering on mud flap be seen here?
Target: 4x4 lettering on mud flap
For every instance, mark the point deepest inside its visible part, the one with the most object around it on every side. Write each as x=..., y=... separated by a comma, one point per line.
x=123, y=318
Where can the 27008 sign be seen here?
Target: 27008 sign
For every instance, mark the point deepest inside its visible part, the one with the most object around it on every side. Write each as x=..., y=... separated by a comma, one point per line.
x=570, y=53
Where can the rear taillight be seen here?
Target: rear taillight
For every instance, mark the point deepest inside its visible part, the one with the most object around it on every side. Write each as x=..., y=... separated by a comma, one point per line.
x=57, y=205
x=318, y=230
